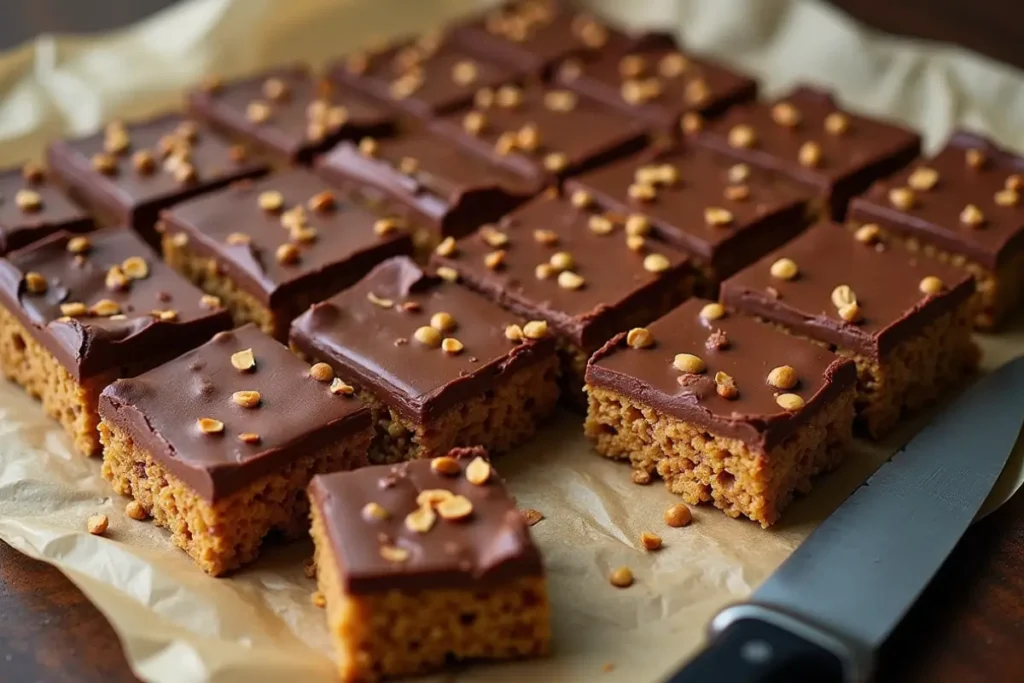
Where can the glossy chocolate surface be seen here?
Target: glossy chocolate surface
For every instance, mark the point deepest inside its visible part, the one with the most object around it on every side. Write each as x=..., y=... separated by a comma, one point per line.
x=935, y=214
x=764, y=209
x=615, y=280
x=490, y=547
x=231, y=227
x=303, y=115
x=751, y=351
x=372, y=344
x=43, y=209
x=106, y=343
x=296, y=415
x=885, y=282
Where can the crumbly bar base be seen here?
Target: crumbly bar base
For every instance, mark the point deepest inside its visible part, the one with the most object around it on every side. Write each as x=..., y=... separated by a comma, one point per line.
x=26, y=362
x=498, y=420
x=403, y=633
x=206, y=274
x=703, y=467
x=224, y=535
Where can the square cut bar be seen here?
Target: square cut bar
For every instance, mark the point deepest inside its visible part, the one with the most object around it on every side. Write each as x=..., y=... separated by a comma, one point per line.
x=288, y=113
x=270, y=248
x=422, y=77
x=690, y=399
x=219, y=444
x=421, y=567
x=657, y=82
x=444, y=192
x=130, y=172
x=542, y=130
x=32, y=207
x=725, y=214
x=962, y=206
x=906, y=322
x=432, y=361
x=77, y=312
x=806, y=136
x=547, y=262
x=536, y=34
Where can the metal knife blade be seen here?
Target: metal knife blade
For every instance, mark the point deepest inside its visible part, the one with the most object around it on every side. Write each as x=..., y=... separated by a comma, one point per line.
x=849, y=584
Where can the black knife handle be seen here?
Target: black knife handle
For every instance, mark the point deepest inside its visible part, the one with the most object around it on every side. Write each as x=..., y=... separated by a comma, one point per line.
x=751, y=643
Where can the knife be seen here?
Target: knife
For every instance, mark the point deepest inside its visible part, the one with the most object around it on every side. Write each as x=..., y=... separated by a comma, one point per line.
x=823, y=613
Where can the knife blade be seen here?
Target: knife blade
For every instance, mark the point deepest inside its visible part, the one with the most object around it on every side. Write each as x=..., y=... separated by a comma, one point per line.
x=825, y=610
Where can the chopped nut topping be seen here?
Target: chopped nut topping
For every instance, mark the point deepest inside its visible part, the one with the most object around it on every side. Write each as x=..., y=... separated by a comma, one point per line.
x=868, y=234
x=287, y=254
x=302, y=235
x=562, y=260
x=532, y=516
x=368, y=147
x=97, y=524
x=689, y=363
x=672, y=64
x=535, y=329
x=375, y=512
x=843, y=296
x=270, y=200
x=544, y=271
x=483, y=98
x=455, y=508
x=464, y=72
x=105, y=307
x=809, y=154
x=104, y=163
x=135, y=267
x=739, y=173
x=32, y=172
x=656, y=263
x=493, y=237
x=185, y=173
x=275, y=89
x=443, y=322
x=931, y=285
x=632, y=66
x=321, y=372
x=238, y=239
x=837, y=123
x=445, y=465
x=528, y=138
x=143, y=162
x=691, y=123
x=784, y=269
x=207, y=425
x=322, y=201
x=975, y=158
x=902, y=198
x=448, y=274
x=546, y=237
x=495, y=259
x=570, y=280
x=640, y=477
x=717, y=341
x=790, y=402
x=600, y=225
x=678, y=515
x=446, y=247
x=785, y=114
x=638, y=225
x=246, y=399
x=428, y=336
x=923, y=178
x=742, y=136
x=433, y=497
x=340, y=388
x=639, y=338
x=393, y=553
x=850, y=312
x=581, y=199
x=209, y=301
x=1014, y=182
x=1007, y=197
x=243, y=360
x=478, y=471
x=736, y=193
x=635, y=242
x=621, y=577
x=725, y=385
x=560, y=100
x=782, y=377
x=379, y=301
x=513, y=333
x=452, y=346
x=249, y=437
x=73, y=309
x=36, y=283
x=712, y=311
x=972, y=216
x=136, y=511
x=385, y=226
x=697, y=91
x=257, y=112
x=508, y=97
x=28, y=201
x=421, y=520
x=115, y=279
x=555, y=162
x=650, y=541
x=116, y=140
x=717, y=216
x=642, y=192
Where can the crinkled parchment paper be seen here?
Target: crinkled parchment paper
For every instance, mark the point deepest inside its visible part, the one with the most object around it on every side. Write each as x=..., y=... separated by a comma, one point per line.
x=178, y=625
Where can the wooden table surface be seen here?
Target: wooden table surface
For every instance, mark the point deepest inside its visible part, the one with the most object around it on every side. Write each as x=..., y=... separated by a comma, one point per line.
x=969, y=625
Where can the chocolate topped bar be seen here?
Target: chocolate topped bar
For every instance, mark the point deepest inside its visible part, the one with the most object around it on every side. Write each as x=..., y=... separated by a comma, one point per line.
x=447, y=189
x=130, y=172
x=286, y=237
x=288, y=113
x=806, y=136
x=535, y=34
x=542, y=130
x=893, y=295
x=378, y=335
x=710, y=367
x=101, y=303
x=725, y=213
x=230, y=412
x=31, y=208
x=423, y=77
x=965, y=200
x=472, y=538
x=565, y=264
x=655, y=81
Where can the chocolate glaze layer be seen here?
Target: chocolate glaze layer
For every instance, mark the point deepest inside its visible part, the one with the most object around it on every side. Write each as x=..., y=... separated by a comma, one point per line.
x=772, y=211
x=372, y=346
x=886, y=283
x=490, y=548
x=616, y=282
x=21, y=226
x=93, y=347
x=450, y=190
x=345, y=247
x=934, y=217
x=867, y=150
x=677, y=82
x=586, y=134
x=296, y=416
x=287, y=131
x=423, y=77
x=133, y=198
x=752, y=351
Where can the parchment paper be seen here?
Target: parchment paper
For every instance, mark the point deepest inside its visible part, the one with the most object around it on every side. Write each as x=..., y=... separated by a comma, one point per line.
x=177, y=625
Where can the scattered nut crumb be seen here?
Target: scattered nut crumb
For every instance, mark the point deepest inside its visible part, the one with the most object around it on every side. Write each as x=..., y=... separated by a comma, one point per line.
x=478, y=472
x=97, y=524
x=321, y=372
x=650, y=541
x=621, y=577
x=532, y=516
x=135, y=510
x=678, y=515
x=641, y=477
